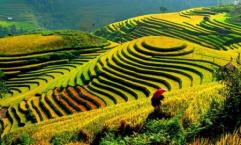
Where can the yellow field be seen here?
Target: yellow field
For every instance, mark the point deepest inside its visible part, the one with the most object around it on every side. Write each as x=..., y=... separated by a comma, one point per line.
x=195, y=100
x=175, y=17
x=25, y=44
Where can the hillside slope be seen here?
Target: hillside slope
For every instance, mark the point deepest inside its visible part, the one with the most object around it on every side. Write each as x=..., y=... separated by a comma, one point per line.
x=202, y=26
x=72, y=73
x=17, y=17
x=31, y=15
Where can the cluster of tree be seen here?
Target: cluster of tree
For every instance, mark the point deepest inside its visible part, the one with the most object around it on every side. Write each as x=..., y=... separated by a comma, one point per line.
x=226, y=117
x=236, y=14
x=10, y=30
x=233, y=11
x=163, y=9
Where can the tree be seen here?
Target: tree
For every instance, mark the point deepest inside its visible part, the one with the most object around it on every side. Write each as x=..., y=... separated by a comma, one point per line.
x=13, y=29
x=163, y=9
x=226, y=117
x=3, y=88
x=1, y=31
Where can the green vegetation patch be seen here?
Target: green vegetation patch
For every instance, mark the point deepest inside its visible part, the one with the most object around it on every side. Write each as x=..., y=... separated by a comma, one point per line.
x=234, y=12
x=48, y=41
x=154, y=131
x=77, y=39
x=8, y=28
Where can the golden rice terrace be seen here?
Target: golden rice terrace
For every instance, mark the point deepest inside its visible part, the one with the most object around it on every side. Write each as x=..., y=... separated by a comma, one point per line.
x=65, y=72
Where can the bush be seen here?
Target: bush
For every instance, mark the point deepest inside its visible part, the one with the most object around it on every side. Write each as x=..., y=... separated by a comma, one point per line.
x=222, y=118
x=148, y=138
x=3, y=88
x=30, y=116
x=24, y=139
x=2, y=142
x=154, y=132
x=11, y=139
x=110, y=138
x=171, y=129
x=68, y=137
x=230, y=115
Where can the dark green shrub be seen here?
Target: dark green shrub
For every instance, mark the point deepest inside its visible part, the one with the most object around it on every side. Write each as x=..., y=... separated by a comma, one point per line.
x=230, y=114
x=110, y=137
x=68, y=137
x=2, y=142
x=30, y=116
x=148, y=138
x=155, y=131
x=24, y=139
x=226, y=117
x=13, y=139
x=3, y=88
x=171, y=128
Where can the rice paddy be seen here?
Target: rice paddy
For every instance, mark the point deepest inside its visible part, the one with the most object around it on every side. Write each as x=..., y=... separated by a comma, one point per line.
x=68, y=81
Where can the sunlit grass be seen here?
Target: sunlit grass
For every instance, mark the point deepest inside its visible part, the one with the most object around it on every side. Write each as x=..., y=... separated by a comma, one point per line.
x=25, y=44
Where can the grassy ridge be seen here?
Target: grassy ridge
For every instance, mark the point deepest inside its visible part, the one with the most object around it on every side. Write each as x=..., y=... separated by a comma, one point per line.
x=47, y=41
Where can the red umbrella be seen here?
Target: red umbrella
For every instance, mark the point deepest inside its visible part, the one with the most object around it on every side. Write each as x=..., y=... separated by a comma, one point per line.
x=159, y=92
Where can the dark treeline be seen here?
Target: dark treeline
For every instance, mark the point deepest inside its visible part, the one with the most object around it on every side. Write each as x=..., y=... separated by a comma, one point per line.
x=4, y=31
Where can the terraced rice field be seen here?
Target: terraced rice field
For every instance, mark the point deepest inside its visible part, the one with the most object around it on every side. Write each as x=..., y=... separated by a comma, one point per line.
x=173, y=51
x=32, y=75
x=133, y=112
x=131, y=71
x=201, y=26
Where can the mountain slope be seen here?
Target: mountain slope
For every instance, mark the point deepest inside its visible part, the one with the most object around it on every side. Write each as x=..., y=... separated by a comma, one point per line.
x=82, y=14
x=16, y=17
x=63, y=85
